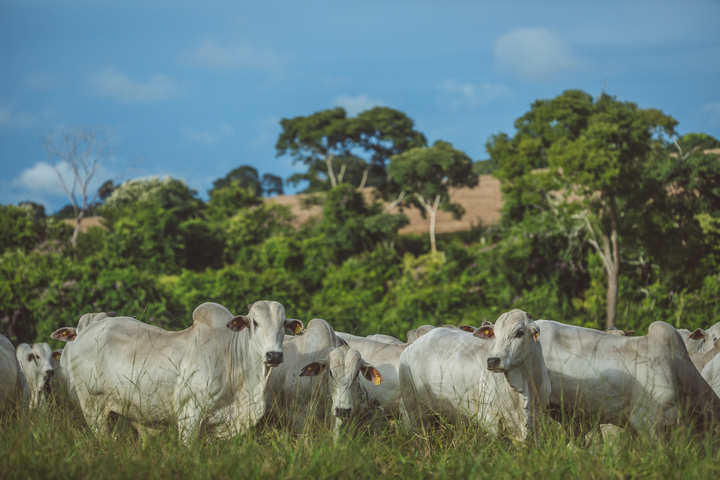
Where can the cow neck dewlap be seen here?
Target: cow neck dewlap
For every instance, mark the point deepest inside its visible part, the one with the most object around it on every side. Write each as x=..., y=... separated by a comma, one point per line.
x=249, y=379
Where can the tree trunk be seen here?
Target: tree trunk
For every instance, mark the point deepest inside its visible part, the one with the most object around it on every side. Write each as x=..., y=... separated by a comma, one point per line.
x=433, y=216
x=331, y=174
x=612, y=252
x=78, y=224
x=364, y=178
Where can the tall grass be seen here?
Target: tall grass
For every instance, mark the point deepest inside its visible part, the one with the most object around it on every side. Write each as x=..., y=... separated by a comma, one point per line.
x=56, y=443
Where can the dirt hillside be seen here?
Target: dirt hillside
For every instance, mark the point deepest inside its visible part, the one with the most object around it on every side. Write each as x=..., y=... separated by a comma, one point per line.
x=482, y=204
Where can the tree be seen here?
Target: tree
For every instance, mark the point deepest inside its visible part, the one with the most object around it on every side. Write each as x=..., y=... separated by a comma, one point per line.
x=328, y=139
x=425, y=176
x=84, y=151
x=248, y=178
x=594, y=154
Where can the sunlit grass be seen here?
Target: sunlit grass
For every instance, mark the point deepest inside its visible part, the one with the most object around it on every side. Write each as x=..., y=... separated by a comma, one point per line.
x=55, y=443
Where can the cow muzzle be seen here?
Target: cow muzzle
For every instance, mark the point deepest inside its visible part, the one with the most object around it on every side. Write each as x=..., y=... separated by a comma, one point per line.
x=343, y=412
x=494, y=364
x=273, y=359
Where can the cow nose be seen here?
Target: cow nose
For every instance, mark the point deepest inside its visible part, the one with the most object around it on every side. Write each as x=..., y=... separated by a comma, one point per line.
x=493, y=363
x=49, y=373
x=274, y=358
x=343, y=412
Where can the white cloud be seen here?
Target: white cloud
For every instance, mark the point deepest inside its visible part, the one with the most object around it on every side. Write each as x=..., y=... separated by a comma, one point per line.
x=535, y=54
x=9, y=118
x=355, y=105
x=469, y=95
x=42, y=179
x=116, y=84
x=41, y=184
x=232, y=57
x=208, y=136
x=714, y=110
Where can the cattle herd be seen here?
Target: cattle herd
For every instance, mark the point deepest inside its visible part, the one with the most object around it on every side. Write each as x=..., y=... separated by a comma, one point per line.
x=223, y=374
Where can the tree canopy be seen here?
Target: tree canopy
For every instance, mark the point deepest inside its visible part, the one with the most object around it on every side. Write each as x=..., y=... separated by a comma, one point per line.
x=425, y=176
x=336, y=148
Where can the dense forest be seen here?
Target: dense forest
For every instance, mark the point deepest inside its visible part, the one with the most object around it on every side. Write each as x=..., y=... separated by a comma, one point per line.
x=609, y=218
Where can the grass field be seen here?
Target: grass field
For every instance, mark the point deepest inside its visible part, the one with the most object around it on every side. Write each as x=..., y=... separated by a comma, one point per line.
x=55, y=443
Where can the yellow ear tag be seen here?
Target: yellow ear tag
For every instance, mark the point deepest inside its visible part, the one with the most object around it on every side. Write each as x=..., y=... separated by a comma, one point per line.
x=535, y=335
x=376, y=380
x=298, y=328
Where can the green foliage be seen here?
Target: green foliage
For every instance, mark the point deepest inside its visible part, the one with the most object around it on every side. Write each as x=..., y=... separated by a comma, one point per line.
x=226, y=201
x=378, y=133
x=19, y=228
x=692, y=140
x=430, y=172
x=248, y=178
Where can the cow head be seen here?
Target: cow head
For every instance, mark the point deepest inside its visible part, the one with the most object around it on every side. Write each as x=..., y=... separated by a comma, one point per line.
x=266, y=323
x=515, y=334
x=39, y=366
x=343, y=365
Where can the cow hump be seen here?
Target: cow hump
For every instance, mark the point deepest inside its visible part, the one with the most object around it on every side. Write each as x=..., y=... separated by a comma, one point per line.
x=212, y=314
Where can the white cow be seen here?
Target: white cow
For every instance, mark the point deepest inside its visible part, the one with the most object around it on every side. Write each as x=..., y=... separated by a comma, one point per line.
x=386, y=358
x=699, y=340
x=302, y=392
x=641, y=382
x=379, y=337
x=702, y=359
x=13, y=385
x=64, y=375
x=202, y=376
x=454, y=374
x=39, y=364
x=711, y=374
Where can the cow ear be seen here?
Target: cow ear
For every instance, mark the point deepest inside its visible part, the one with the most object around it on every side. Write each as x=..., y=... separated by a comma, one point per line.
x=250, y=305
x=485, y=323
x=295, y=326
x=372, y=374
x=698, y=334
x=65, y=334
x=485, y=332
x=313, y=369
x=57, y=354
x=238, y=323
x=467, y=328
x=535, y=330
x=111, y=314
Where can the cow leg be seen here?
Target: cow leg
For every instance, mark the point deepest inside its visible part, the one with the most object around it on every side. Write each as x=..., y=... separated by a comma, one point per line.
x=96, y=415
x=189, y=424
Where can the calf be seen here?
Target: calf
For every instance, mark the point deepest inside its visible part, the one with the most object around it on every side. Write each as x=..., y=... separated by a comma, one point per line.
x=303, y=393
x=39, y=365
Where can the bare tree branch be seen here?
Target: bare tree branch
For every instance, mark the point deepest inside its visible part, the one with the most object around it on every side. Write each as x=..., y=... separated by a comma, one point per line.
x=84, y=151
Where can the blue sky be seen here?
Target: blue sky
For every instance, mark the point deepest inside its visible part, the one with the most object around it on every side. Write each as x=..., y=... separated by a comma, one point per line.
x=195, y=89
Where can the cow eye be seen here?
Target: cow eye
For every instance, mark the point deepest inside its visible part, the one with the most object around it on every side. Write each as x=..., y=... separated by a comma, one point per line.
x=255, y=324
x=31, y=357
x=519, y=334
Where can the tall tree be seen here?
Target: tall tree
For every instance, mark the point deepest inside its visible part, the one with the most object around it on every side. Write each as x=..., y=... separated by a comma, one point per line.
x=593, y=153
x=339, y=149
x=425, y=176
x=248, y=178
x=84, y=151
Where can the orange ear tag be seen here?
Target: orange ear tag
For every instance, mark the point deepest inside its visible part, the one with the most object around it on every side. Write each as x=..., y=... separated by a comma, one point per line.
x=376, y=380
x=298, y=328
